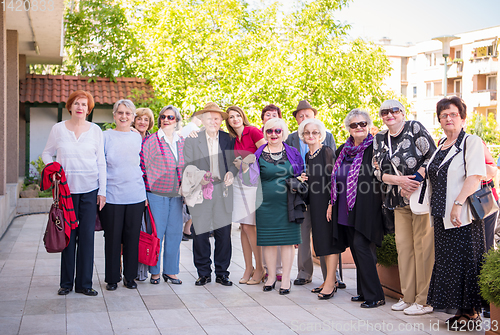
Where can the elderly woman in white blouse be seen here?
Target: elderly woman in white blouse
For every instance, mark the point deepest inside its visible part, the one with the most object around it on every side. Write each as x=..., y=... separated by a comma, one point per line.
x=78, y=146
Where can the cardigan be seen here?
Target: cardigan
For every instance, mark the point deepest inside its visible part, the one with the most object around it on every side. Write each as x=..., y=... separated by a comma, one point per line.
x=475, y=164
x=366, y=215
x=162, y=173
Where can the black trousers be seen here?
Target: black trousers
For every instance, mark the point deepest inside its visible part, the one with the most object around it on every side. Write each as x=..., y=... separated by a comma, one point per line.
x=365, y=257
x=208, y=214
x=81, y=244
x=122, y=225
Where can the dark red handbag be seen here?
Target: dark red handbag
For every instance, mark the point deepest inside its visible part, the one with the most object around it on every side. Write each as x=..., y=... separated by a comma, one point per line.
x=149, y=244
x=55, y=237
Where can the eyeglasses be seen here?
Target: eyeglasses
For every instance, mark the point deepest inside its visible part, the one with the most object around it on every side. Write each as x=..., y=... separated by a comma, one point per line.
x=314, y=133
x=168, y=117
x=393, y=111
x=271, y=131
x=120, y=113
x=361, y=124
x=444, y=116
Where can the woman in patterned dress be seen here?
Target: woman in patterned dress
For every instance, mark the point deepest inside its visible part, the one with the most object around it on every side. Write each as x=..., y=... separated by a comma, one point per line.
x=400, y=155
x=455, y=172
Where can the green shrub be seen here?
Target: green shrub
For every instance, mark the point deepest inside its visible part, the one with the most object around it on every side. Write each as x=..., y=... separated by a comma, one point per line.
x=489, y=278
x=387, y=254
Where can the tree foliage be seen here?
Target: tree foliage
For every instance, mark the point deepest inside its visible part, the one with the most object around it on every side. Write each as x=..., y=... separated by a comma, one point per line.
x=196, y=51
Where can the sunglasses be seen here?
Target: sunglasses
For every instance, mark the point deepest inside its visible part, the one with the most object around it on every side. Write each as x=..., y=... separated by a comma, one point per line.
x=271, y=131
x=355, y=125
x=393, y=111
x=168, y=117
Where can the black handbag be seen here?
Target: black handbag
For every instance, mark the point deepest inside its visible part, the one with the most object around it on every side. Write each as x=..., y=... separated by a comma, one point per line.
x=482, y=202
x=387, y=214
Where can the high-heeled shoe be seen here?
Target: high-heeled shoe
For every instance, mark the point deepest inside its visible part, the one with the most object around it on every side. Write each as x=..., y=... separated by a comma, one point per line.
x=244, y=281
x=323, y=296
x=268, y=288
x=167, y=278
x=257, y=281
x=284, y=291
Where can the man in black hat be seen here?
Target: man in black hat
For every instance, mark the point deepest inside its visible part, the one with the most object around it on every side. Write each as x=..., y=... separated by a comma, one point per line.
x=304, y=259
x=211, y=153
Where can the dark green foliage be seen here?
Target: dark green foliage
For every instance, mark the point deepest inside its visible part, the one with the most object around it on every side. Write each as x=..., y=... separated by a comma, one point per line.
x=387, y=254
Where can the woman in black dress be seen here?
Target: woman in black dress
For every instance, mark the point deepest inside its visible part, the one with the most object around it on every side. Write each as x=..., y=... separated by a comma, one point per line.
x=319, y=165
x=356, y=207
x=455, y=172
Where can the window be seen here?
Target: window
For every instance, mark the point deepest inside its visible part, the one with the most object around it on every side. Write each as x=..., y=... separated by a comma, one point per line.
x=433, y=89
x=414, y=91
x=458, y=54
x=414, y=64
x=491, y=83
x=458, y=87
x=428, y=89
x=404, y=90
x=438, y=88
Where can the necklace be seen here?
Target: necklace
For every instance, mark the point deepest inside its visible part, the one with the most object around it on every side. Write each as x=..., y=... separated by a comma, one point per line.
x=398, y=132
x=446, y=146
x=276, y=156
x=316, y=153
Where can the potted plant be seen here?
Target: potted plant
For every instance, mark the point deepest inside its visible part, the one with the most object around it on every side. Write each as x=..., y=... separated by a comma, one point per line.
x=489, y=283
x=387, y=267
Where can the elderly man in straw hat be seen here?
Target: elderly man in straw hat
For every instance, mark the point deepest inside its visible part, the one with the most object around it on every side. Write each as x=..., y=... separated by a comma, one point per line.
x=210, y=152
x=304, y=258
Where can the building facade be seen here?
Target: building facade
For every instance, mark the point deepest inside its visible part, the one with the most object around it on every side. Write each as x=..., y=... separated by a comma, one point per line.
x=472, y=74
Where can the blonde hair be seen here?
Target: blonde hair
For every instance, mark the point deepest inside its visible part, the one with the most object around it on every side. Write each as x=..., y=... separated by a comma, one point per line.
x=145, y=111
x=276, y=122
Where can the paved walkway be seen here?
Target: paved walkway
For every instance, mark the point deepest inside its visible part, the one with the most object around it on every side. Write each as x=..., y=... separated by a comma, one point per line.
x=29, y=279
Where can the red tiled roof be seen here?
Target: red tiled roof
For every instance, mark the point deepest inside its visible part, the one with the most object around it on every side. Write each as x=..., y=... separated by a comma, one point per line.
x=56, y=89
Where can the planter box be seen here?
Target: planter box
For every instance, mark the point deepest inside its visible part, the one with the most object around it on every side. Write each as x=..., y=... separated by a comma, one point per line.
x=495, y=316
x=33, y=205
x=389, y=278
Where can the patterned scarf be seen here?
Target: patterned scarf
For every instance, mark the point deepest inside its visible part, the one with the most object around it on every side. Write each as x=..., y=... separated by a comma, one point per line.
x=352, y=177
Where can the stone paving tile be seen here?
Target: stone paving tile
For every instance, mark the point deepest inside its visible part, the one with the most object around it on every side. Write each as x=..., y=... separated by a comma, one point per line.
x=29, y=304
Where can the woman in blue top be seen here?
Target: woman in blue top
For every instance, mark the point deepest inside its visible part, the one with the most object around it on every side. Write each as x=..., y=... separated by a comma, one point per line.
x=126, y=195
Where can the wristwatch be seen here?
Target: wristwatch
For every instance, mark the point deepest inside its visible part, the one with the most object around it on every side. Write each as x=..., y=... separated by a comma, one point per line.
x=457, y=203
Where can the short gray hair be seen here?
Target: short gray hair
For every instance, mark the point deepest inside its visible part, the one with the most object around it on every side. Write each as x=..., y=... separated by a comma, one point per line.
x=318, y=123
x=125, y=102
x=276, y=122
x=178, y=117
x=358, y=112
x=390, y=104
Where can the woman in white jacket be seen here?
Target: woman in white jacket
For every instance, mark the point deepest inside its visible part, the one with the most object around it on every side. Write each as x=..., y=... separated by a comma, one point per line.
x=455, y=172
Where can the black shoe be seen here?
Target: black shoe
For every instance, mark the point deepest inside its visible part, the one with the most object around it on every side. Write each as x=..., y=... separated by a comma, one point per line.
x=268, y=288
x=301, y=281
x=186, y=236
x=223, y=280
x=284, y=291
x=111, y=287
x=341, y=284
x=316, y=290
x=323, y=296
x=131, y=284
x=87, y=291
x=372, y=304
x=358, y=298
x=167, y=278
x=486, y=314
x=63, y=291
x=203, y=280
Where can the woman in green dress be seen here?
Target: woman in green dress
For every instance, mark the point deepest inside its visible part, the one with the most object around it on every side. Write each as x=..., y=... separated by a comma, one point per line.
x=275, y=162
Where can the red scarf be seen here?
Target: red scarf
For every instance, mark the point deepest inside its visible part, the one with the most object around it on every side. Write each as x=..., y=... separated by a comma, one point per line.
x=65, y=200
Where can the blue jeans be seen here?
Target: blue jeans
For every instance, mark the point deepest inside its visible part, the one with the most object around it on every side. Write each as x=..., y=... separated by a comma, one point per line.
x=167, y=213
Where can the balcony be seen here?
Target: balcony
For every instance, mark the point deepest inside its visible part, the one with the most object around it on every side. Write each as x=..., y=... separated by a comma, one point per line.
x=484, y=98
x=455, y=69
x=484, y=65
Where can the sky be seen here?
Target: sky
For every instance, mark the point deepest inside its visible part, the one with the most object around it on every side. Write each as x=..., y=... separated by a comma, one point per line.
x=413, y=21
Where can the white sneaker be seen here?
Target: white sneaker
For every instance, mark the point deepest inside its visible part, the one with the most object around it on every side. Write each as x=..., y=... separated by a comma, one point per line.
x=400, y=305
x=417, y=309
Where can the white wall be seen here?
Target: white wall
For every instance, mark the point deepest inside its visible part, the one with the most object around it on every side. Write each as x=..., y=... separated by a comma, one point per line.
x=42, y=120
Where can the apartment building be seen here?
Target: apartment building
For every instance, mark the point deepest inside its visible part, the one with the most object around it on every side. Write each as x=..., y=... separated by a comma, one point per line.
x=472, y=73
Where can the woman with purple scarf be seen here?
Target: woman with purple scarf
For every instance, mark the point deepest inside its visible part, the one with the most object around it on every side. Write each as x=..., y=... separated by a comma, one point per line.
x=355, y=207
x=275, y=162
